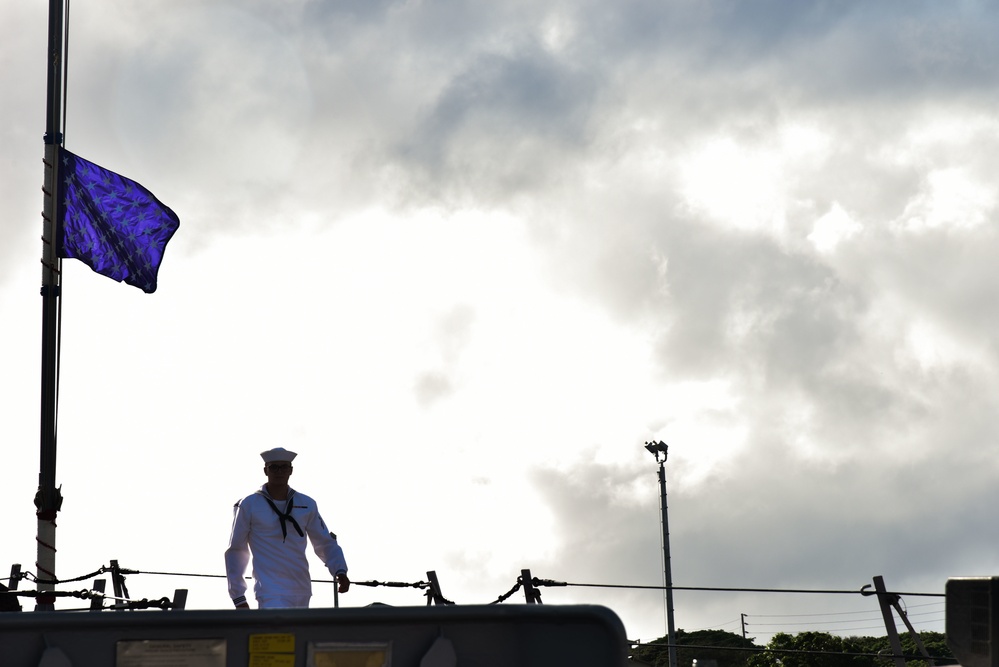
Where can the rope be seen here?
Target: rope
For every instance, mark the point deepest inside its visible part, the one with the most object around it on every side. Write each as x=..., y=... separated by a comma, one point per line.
x=161, y=603
x=86, y=595
x=505, y=596
x=124, y=603
x=103, y=570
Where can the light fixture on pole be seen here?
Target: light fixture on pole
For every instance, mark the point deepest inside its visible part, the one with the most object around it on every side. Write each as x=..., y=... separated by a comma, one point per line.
x=657, y=448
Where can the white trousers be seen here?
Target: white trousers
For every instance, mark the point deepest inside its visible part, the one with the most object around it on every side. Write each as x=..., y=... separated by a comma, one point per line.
x=283, y=601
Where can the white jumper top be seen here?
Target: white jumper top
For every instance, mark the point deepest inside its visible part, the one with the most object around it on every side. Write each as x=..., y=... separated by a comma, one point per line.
x=280, y=566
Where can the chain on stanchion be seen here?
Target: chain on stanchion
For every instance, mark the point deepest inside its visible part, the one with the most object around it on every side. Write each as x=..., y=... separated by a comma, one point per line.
x=121, y=599
x=123, y=603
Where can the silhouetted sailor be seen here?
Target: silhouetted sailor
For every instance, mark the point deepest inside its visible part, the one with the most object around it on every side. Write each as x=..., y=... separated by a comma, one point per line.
x=270, y=527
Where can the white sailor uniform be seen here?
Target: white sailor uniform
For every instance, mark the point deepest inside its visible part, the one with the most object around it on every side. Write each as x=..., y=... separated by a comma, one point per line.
x=275, y=531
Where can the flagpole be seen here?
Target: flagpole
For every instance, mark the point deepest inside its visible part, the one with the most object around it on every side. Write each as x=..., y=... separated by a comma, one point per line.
x=48, y=500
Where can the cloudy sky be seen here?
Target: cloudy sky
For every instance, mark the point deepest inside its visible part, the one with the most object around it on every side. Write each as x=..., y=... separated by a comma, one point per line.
x=466, y=258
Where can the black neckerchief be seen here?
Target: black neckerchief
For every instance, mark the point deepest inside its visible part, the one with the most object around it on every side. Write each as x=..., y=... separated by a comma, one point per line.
x=285, y=517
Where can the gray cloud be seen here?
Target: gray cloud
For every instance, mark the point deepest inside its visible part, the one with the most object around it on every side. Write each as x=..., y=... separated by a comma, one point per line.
x=502, y=127
x=862, y=448
x=454, y=331
x=772, y=519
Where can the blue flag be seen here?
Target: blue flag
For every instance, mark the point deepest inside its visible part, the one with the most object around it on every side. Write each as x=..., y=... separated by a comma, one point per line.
x=112, y=224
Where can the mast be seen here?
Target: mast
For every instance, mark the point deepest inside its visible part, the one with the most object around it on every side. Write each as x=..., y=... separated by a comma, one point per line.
x=48, y=500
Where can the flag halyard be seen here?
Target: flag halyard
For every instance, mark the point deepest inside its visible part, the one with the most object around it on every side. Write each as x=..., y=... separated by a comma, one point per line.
x=111, y=223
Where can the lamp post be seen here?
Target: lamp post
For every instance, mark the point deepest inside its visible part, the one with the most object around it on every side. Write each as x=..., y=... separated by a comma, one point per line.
x=657, y=448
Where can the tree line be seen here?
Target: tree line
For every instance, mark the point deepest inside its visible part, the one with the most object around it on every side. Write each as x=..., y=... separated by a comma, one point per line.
x=805, y=649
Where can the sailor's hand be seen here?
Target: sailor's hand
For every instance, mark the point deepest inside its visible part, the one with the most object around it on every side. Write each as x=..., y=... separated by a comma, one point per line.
x=242, y=605
x=343, y=581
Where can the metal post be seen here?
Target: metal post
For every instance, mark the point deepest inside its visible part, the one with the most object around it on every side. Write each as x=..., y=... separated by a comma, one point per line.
x=120, y=589
x=97, y=602
x=885, y=601
x=657, y=448
x=531, y=594
x=434, y=595
x=8, y=601
x=666, y=568
x=48, y=500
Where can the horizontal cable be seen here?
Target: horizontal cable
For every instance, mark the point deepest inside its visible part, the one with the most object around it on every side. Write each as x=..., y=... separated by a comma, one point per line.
x=749, y=623
x=809, y=623
x=164, y=603
x=393, y=584
x=747, y=590
x=536, y=581
x=842, y=613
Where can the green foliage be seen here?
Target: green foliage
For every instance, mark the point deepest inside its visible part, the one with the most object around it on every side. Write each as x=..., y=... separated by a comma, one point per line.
x=805, y=649
x=812, y=649
x=935, y=644
x=819, y=649
x=725, y=648
x=721, y=645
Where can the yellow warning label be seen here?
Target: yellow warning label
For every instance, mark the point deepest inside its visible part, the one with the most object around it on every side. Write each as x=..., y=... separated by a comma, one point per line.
x=272, y=660
x=272, y=643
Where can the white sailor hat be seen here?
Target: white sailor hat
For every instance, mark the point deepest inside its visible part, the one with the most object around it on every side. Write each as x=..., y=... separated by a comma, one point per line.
x=278, y=454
